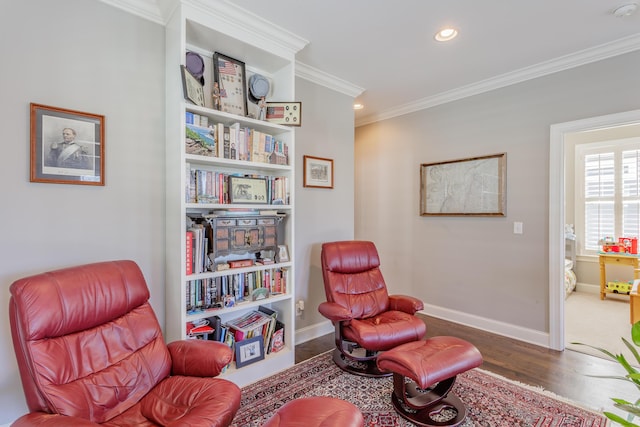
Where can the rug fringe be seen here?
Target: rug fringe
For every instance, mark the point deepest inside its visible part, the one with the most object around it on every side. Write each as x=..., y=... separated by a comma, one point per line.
x=543, y=391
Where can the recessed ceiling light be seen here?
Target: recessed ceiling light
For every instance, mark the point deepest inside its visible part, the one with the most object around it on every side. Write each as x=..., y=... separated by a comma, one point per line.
x=358, y=106
x=625, y=10
x=446, y=34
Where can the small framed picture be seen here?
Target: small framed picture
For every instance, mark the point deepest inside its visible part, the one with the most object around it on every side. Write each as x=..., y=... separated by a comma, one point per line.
x=318, y=172
x=259, y=294
x=247, y=190
x=229, y=74
x=283, y=253
x=249, y=351
x=284, y=113
x=67, y=146
x=193, y=89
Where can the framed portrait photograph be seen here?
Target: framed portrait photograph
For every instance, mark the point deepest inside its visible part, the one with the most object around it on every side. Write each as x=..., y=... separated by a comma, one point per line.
x=67, y=146
x=318, y=172
x=192, y=87
x=249, y=351
x=284, y=113
x=230, y=76
x=467, y=187
x=247, y=190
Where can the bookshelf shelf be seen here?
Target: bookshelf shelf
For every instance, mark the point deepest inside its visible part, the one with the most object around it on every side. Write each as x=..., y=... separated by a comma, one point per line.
x=268, y=51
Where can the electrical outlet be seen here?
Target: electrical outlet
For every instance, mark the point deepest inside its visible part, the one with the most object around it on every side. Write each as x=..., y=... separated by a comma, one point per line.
x=299, y=307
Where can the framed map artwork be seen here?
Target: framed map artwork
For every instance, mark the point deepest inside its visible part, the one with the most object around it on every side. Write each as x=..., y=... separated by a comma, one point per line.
x=467, y=187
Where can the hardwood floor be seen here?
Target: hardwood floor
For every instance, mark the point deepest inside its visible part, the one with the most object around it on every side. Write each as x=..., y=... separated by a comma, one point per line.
x=563, y=373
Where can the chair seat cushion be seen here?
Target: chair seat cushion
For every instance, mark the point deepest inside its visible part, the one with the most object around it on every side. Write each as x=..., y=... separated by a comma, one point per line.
x=385, y=330
x=185, y=401
x=431, y=361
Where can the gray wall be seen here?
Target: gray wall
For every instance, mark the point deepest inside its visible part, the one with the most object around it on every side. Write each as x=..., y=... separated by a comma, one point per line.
x=470, y=266
x=91, y=57
x=321, y=214
x=86, y=56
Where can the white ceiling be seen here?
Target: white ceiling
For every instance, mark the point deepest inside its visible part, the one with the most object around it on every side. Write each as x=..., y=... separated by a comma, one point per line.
x=387, y=48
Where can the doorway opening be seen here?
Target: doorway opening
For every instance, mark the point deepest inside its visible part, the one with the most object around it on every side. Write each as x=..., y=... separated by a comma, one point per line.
x=560, y=133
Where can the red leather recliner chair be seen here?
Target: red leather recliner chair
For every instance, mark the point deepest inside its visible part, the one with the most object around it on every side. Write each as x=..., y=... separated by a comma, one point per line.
x=90, y=352
x=367, y=320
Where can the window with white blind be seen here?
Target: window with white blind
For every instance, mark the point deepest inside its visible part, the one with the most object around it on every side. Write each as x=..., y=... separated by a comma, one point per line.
x=607, y=192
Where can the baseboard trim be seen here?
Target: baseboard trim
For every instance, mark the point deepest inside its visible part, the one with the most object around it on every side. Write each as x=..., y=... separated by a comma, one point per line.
x=489, y=325
x=314, y=331
x=588, y=288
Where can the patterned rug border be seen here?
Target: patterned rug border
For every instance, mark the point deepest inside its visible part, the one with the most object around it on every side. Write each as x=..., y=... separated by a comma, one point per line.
x=543, y=391
x=265, y=396
x=534, y=388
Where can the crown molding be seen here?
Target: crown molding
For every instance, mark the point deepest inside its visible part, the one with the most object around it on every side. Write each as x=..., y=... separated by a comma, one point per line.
x=226, y=13
x=586, y=56
x=321, y=78
x=258, y=30
x=147, y=9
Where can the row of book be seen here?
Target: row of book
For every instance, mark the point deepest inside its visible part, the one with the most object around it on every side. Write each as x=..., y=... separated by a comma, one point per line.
x=208, y=186
x=229, y=290
x=234, y=142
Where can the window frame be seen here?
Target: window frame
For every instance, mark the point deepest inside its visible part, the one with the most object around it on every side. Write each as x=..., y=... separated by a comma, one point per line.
x=617, y=147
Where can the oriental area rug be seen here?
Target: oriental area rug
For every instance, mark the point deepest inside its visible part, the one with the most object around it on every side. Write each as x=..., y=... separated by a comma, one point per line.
x=491, y=400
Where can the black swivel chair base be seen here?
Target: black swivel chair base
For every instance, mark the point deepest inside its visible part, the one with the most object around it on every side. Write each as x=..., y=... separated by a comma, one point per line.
x=362, y=367
x=428, y=408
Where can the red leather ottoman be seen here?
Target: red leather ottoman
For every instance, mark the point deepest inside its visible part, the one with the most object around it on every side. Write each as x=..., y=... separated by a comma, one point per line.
x=318, y=411
x=432, y=367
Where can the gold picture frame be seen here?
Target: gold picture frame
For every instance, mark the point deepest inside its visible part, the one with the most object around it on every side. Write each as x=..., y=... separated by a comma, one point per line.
x=318, y=172
x=474, y=186
x=67, y=146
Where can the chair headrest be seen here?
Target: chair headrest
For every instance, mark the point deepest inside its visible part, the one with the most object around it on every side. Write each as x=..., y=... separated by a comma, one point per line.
x=350, y=256
x=73, y=299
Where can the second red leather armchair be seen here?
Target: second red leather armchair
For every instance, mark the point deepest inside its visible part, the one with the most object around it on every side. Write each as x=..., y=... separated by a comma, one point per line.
x=367, y=319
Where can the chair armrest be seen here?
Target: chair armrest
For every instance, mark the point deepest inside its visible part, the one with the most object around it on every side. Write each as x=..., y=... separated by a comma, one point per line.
x=199, y=358
x=405, y=303
x=42, y=419
x=334, y=312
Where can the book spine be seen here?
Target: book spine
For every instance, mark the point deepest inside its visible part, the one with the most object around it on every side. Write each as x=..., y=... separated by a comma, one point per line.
x=220, y=139
x=189, y=252
x=227, y=143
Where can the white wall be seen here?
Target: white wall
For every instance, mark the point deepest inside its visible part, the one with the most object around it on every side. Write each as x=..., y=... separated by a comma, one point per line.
x=87, y=56
x=475, y=267
x=321, y=214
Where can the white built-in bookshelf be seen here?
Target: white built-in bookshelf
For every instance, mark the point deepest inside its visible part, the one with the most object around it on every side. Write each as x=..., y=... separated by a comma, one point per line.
x=271, y=53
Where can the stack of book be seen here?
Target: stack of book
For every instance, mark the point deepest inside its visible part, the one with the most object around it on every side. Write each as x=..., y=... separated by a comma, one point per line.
x=254, y=323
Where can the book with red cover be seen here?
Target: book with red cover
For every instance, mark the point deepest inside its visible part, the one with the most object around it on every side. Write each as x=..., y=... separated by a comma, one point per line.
x=240, y=263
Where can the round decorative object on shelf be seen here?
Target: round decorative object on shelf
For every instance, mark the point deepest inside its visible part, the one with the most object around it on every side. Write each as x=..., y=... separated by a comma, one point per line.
x=258, y=88
x=195, y=65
